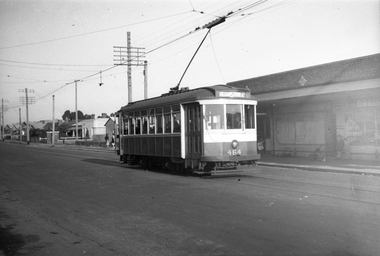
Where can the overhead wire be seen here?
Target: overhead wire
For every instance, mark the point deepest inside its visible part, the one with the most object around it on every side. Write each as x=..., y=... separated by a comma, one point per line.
x=155, y=49
x=51, y=64
x=89, y=33
x=228, y=15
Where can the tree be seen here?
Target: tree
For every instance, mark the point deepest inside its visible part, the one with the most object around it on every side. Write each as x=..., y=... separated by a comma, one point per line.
x=66, y=115
x=70, y=116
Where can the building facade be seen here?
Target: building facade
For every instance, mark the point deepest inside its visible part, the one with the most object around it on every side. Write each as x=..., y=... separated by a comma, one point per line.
x=309, y=108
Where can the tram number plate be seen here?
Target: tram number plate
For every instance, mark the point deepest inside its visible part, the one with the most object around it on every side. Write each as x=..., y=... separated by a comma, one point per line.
x=234, y=152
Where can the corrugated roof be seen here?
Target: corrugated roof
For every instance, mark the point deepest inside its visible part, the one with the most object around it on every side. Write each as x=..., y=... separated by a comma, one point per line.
x=181, y=97
x=361, y=68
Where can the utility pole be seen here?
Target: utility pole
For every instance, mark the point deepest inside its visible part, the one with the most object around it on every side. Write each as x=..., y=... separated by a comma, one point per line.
x=76, y=111
x=27, y=100
x=53, y=129
x=19, y=120
x=128, y=56
x=3, y=108
x=2, y=120
x=145, y=79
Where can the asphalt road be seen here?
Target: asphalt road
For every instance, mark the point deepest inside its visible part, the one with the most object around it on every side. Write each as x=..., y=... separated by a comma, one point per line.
x=57, y=201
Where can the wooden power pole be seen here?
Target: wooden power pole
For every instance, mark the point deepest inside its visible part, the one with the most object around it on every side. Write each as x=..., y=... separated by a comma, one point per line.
x=128, y=56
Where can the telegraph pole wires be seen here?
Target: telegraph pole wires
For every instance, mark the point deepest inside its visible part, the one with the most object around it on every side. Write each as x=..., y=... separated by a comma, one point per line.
x=128, y=56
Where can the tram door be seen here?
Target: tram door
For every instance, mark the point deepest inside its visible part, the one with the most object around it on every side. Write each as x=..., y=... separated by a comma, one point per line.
x=193, y=131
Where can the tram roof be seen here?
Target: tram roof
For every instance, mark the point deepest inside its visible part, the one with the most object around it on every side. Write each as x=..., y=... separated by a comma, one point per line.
x=186, y=96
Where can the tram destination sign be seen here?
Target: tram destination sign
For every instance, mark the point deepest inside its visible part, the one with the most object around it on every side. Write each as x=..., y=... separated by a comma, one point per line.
x=233, y=94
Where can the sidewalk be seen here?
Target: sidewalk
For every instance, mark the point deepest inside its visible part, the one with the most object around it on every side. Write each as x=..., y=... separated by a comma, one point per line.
x=361, y=167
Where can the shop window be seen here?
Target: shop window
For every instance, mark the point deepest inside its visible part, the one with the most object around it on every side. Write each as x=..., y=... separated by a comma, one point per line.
x=364, y=126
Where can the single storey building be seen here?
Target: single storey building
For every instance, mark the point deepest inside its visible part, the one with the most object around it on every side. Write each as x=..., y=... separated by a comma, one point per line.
x=309, y=108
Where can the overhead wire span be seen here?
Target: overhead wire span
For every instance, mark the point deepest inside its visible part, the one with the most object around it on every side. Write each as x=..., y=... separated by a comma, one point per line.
x=89, y=33
x=209, y=25
x=51, y=64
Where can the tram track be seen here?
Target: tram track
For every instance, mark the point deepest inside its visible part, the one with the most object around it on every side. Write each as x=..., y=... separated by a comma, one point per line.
x=354, y=192
x=319, y=184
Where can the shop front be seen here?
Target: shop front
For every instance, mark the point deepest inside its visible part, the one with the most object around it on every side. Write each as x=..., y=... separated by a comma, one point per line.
x=309, y=109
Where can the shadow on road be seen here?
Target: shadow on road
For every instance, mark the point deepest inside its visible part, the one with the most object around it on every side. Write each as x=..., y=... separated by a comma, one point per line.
x=11, y=243
x=102, y=161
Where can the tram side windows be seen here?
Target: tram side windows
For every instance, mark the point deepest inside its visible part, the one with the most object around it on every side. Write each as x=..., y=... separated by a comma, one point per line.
x=176, y=116
x=214, y=117
x=167, y=119
x=138, y=122
x=233, y=112
x=131, y=121
x=249, y=113
x=159, y=120
x=126, y=124
x=144, y=120
x=152, y=122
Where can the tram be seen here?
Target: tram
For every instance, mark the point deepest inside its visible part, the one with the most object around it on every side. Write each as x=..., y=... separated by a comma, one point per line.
x=205, y=130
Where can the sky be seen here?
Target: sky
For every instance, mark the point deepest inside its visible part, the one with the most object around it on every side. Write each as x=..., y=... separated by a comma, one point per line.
x=46, y=45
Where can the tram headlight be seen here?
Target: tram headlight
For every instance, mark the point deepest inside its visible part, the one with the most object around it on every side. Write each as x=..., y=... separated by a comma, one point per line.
x=234, y=144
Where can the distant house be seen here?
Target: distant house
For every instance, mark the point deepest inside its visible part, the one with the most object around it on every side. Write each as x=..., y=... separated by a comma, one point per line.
x=110, y=127
x=92, y=129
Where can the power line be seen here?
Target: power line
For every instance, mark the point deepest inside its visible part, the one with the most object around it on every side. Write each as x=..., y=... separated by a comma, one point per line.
x=208, y=26
x=89, y=33
x=50, y=64
x=57, y=69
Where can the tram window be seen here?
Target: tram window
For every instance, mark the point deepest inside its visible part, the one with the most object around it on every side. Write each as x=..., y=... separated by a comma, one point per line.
x=144, y=125
x=131, y=122
x=176, y=108
x=214, y=117
x=138, y=125
x=176, y=122
x=249, y=113
x=168, y=123
x=125, y=122
x=167, y=119
x=233, y=116
x=159, y=120
x=152, y=122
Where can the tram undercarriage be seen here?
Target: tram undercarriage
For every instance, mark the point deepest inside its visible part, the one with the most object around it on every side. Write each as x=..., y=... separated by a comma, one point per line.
x=179, y=166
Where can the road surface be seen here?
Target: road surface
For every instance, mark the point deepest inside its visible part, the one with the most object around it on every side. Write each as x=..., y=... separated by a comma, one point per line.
x=62, y=201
